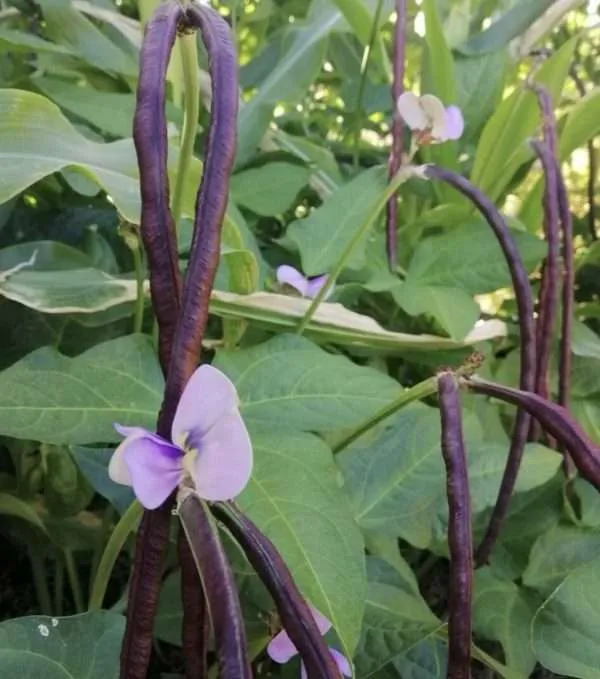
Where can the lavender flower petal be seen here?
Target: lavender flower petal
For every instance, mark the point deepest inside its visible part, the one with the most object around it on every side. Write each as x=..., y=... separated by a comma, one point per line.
x=281, y=649
x=118, y=470
x=207, y=396
x=223, y=465
x=155, y=468
x=287, y=275
x=342, y=662
x=314, y=285
x=455, y=123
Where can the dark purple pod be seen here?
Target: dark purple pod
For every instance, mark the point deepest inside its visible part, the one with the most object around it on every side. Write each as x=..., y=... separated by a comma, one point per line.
x=151, y=145
x=218, y=584
x=292, y=608
x=551, y=275
x=397, y=125
x=524, y=301
x=555, y=419
x=459, y=530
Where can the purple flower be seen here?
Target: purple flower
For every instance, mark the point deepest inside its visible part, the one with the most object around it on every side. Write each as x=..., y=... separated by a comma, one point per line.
x=427, y=117
x=307, y=286
x=281, y=648
x=211, y=446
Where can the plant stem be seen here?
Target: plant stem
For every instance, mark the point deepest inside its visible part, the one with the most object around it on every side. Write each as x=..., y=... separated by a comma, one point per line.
x=416, y=393
x=107, y=519
x=113, y=548
x=396, y=150
x=38, y=568
x=140, y=300
x=399, y=178
x=364, y=68
x=59, y=585
x=191, y=96
x=74, y=581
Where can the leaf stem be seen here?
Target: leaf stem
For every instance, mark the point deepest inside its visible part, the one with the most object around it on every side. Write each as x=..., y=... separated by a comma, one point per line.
x=419, y=391
x=405, y=172
x=113, y=548
x=364, y=68
x=107, y=519
x=140, y=300
x=191, y=94
x=74, y=581
x=36, y=558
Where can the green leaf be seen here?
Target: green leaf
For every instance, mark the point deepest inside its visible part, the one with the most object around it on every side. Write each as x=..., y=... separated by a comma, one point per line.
x=67, y=26
x=294, y=486
x=589, y=499
x=502, y=147
x=48, y=397
x=290, y=382
x=270, y=189
x=427, y=660
x=510, y=25
x=66, y=490
x=566, y=629
x=78, y=647
x=395, y=622
x=453, y=308
x=557, y=552
x=469, y=257
x=397, y=481
x=14, y=506
x=27, y=42
x=329, y=229
x=501, y=613
x=93, y=463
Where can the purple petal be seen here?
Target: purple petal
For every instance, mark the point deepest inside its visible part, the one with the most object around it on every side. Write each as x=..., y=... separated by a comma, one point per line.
x=455, y=123
x=208, y=395
x=118, y=470
x=280, y=648
x=342, y=662
x=303, y=672
x=314, y=285
x=223, y=465
x=289, y=276
x=155, y=468
x=323, y=624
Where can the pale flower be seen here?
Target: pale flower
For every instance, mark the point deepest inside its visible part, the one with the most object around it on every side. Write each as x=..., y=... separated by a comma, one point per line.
x=428, y=119
x=307, y=286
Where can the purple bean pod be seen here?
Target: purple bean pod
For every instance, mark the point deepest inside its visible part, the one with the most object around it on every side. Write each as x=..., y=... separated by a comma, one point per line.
x=158, y=236
x=459, y=530
x=218, y=585
x=397, y=126
x=151, y=145
x=550, y=280
x=555, y=419
x=292, y=608
x=527, y=354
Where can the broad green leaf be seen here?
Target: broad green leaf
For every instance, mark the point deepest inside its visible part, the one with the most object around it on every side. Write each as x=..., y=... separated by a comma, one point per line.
x=78, y=647
x=556, y=553
x=338, y=325
x=328, y=229
x=295, y=499
x=589, y=500
x=10, y=505
x=453, y=308
x=66, y=490
x=502, y=146
x=67, y=26
x=49, y=256
x=48, y=397
x=565, y=632
x=469, y=257
x=397, y=481
x=270, y=189
x=37, y=140
x=14, y=40
x=427, y=660
x=510, y=25
x=386, y=556
x=395, y=623
x=290, y=382
x=93, y=463
x=501, y=613
x=585, y=342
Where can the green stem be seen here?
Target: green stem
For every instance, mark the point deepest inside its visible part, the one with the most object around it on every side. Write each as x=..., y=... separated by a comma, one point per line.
x=364, y=68
x=404, y=173
x=59, y=585
x=74, y=580
x=421, y=390
x=38, y=568
x=140, y=300
x=189, y=59
x=115, y=544
x=108, y=518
